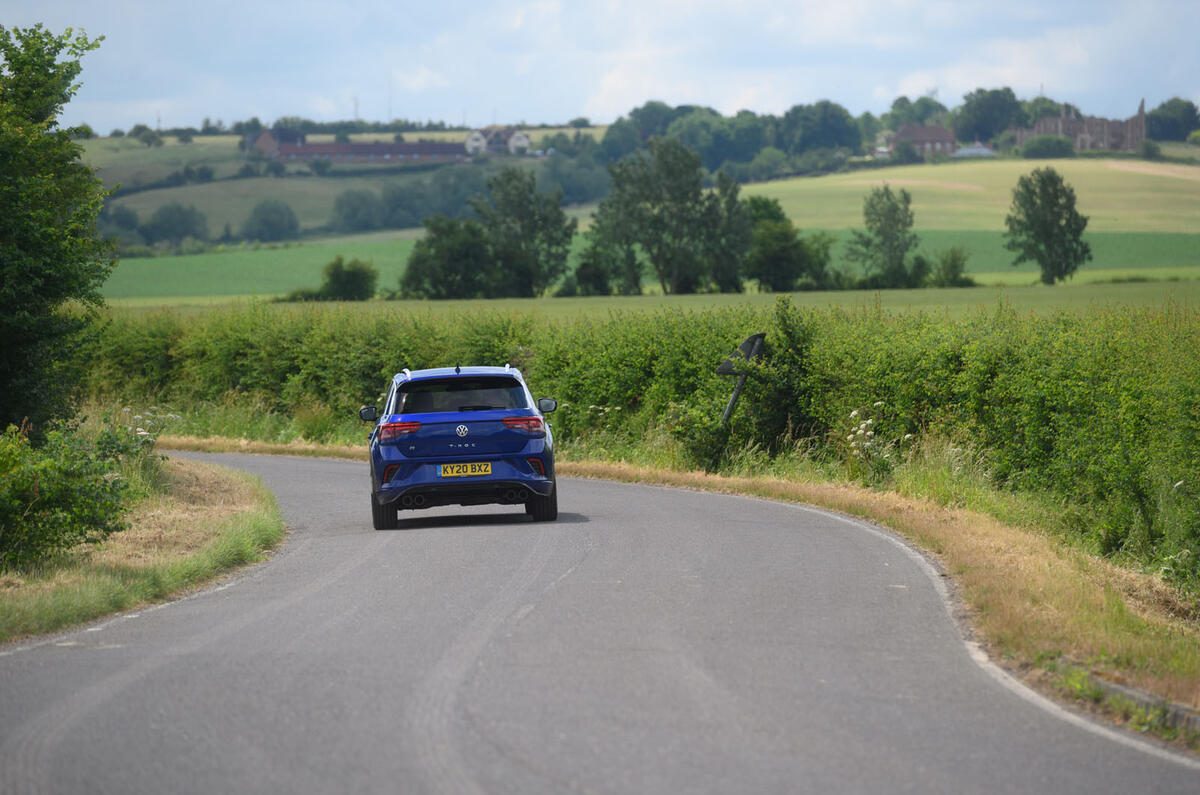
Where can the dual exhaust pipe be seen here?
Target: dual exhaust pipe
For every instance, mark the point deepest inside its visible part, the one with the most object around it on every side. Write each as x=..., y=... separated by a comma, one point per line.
x=419, y=501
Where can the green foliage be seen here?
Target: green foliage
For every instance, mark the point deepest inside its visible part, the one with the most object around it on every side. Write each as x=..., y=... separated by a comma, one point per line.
x=453, y=260
x=1173, y=120
x=271, y=220
x=50, y=252
x=1151, y=150
x=1194, y=138
x=342, y=281
x=528, y=233
x=54, y=496
x=1044, y=226
x=357, y=211
x=884, y=250
x=950, y=268
x=1045, y=147
x=658, y=209
x=173, y=222
x=985, y=113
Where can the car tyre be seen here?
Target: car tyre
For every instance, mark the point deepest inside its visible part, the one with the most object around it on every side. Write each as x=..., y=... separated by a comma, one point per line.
x=383, y=516
x=543, y=509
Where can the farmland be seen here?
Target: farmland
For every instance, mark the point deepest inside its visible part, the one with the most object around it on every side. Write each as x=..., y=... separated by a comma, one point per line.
x=1144, y=224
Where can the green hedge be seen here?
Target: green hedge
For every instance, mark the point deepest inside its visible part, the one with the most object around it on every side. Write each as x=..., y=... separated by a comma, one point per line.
x=1101, y=409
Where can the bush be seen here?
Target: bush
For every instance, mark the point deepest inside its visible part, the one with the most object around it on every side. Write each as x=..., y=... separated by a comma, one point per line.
x=173, y=222
x=1194, y=138
x=1151, y=150
x=55, y=496
x=343, y=281
x=1042, y=147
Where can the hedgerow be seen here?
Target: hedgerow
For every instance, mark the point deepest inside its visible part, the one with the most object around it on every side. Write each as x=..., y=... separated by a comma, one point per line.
x=1100, y=410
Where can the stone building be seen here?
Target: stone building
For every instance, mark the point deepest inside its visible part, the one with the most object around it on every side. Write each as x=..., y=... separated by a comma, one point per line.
x=1091, y=132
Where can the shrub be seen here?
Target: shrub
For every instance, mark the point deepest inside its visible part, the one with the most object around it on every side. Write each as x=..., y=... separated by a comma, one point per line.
x=55, y=496
x=1047, y=146
x=357, y=210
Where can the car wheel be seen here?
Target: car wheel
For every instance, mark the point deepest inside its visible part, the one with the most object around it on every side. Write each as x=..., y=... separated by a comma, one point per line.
x=543, y=509
x=383, y=516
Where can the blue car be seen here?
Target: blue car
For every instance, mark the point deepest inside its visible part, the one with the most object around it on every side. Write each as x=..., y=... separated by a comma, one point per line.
x=461, y=436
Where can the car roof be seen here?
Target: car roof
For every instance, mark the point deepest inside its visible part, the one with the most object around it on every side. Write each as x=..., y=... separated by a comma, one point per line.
x=460, y=372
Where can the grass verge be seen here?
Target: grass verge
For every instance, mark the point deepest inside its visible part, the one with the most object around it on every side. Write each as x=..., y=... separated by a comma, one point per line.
x=208, y=521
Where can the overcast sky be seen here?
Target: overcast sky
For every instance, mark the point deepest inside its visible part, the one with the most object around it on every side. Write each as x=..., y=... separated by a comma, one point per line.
x=478, y=63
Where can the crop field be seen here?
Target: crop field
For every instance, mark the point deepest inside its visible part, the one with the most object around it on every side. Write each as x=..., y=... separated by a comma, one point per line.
x=127, y=161
x=1117, y=195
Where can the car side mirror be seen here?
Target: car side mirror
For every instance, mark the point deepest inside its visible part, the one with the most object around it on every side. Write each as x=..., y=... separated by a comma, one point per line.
x=547, y=405
x=368, y=414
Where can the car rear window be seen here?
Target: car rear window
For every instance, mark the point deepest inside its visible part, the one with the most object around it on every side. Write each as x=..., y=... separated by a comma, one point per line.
x=460, y=394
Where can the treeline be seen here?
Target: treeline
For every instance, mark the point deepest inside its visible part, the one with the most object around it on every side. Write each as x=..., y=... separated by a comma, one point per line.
x=1099, y=410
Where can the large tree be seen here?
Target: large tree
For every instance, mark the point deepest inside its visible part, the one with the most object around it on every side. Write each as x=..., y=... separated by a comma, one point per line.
x=985, y=113
x=886, y=249
x=1173, y=120
x=528, y=232
x=1044, y=226
x=452, y=260
x=658, y=204
x=50, y=253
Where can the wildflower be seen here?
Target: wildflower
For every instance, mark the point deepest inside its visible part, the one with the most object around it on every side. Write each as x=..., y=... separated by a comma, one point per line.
x=871, y=421
x=854, y=414
x=870, y=434
x=850, y=438
x=1177, y=485
x=877, y=403
x=907, y=436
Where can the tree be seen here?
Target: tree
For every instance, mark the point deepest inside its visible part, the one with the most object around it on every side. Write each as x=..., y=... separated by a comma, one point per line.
x=884, y=249
x=1044, y=226
x=50, y=252
x=776, y=257
x=451, y=261
x=729, y=236
x=173, y=222
x=987, y=113
x=348, y=281
x=528, y=232
x=357, y=210
x=657, y=204
x=271, y=220
x=1173, y=120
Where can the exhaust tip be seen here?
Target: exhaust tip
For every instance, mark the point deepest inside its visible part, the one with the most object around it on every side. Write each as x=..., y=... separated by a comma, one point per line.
x=522, y=495
x=406, y=501
x=418, y=500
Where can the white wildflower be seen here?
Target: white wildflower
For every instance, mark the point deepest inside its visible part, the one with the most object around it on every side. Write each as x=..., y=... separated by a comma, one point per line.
x=850, y=438
x=907, y=436
x=854, y=414
x=877, y=403
x=1177, y=485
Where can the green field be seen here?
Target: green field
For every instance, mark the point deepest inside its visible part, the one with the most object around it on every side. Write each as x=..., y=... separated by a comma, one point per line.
x=1145, y=224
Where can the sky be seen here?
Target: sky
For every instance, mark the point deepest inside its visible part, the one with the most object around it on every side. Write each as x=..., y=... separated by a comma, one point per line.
x=171, y=64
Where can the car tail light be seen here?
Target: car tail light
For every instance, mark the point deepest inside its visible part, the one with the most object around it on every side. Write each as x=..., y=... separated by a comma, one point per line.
x=531, y=425
x=390, y=431
x=537, y=466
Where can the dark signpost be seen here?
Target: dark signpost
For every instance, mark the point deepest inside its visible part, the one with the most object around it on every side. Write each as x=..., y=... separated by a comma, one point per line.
x=748, y=351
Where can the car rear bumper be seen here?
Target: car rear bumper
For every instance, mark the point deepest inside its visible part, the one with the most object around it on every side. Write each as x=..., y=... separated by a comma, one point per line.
x=485, y=492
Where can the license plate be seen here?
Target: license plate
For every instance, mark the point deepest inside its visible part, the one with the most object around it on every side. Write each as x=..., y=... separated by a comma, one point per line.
x=465, y=470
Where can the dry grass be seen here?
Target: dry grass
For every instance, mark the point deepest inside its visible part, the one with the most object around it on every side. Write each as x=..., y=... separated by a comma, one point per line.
x=208, y=520
x=1030, y=597
x=225, y=445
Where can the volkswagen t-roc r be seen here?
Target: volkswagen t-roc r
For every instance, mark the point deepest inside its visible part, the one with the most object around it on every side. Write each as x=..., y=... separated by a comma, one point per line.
x=461, y=436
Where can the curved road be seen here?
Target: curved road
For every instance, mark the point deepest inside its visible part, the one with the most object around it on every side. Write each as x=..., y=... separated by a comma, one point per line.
x=651, y=640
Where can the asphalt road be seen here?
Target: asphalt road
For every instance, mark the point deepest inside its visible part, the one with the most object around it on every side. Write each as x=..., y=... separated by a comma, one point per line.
x=651, y=641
